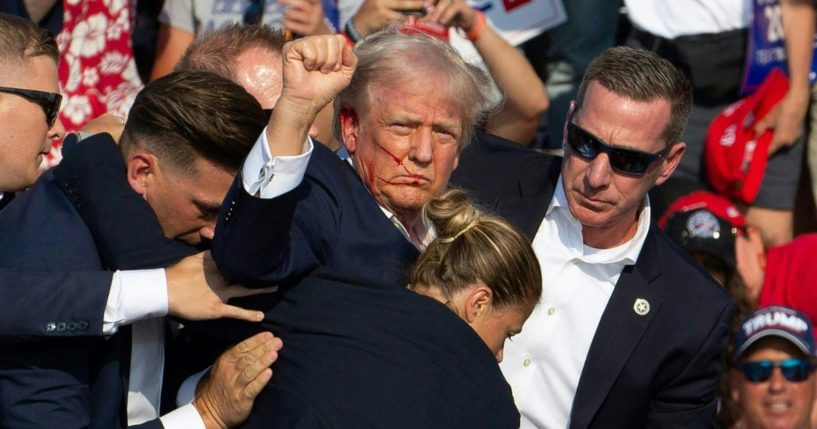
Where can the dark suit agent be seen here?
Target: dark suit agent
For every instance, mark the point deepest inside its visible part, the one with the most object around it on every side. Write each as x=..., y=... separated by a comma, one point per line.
x=49, y=384
x=629, y=332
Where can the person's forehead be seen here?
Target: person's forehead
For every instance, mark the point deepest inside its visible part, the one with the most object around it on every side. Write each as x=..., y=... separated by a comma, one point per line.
x=38, y=73
x=772, y=348
x=622, y=121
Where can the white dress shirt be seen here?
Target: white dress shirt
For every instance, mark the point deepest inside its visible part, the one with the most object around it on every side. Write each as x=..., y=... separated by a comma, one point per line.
x=544, y=362
x=673, y=18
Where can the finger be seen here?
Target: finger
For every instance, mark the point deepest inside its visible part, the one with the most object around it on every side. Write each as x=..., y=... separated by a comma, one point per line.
x=448, y=15
x=349, y=57
x=236, y=291
x=333, y=55
x=276, y=344
x=761, y=126
x=254, y=388
x=233, y=312
x=251, y=343
x=256, y=364
x=406, y=5
x=298, y=15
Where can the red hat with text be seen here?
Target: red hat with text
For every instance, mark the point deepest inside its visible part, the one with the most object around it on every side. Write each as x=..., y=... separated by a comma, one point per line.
x=734, y=157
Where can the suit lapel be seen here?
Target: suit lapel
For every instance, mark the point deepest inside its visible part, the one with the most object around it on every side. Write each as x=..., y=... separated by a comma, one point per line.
x=618, y=333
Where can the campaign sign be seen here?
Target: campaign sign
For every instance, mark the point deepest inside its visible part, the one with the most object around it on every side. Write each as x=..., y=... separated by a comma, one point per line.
x=766, y=48
x=517, y=21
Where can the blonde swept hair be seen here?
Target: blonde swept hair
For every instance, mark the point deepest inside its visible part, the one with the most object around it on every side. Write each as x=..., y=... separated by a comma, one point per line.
x=471, y=247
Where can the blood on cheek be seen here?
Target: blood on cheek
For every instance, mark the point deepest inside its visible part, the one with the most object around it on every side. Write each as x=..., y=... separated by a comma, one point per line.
x=399, y=162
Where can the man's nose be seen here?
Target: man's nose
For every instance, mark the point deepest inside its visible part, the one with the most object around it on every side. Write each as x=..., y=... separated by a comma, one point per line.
x=777, y=382
x=599, y=173
x=422, y=146
x=208, y=231
x=57, y=131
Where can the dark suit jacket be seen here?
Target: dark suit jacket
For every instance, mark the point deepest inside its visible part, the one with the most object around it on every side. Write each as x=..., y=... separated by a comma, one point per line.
x=366, y=356
x=52, y=303
x=80, y=382
x=659, y=370
x=330, y=220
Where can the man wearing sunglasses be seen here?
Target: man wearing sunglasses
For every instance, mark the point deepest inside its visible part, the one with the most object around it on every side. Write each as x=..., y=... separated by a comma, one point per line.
x=772, y=382
x=628, y=333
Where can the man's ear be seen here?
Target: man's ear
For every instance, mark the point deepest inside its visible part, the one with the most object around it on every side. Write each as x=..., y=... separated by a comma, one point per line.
x=142, y=166
x=478, y=302
x=671, y=162
x=348, y=128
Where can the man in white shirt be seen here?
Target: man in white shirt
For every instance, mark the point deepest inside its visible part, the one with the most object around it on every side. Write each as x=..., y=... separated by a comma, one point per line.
x=628, y=332
x=92, y=302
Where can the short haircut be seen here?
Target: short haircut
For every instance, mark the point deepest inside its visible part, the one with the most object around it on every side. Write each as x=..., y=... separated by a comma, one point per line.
x=216, y=51
x=188, y=115
x=390, y=56
x=21, y=39
x=642, y=76
x=475, y=247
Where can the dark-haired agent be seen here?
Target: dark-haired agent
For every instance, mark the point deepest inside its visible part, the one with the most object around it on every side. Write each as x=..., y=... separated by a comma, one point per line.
x=58, y=300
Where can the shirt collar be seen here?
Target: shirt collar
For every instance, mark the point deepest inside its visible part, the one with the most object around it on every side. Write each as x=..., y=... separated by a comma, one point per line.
x=626, y=253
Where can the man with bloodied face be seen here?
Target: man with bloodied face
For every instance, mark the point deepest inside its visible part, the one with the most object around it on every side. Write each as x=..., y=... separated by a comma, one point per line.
x=403, y=141
x=339, y=235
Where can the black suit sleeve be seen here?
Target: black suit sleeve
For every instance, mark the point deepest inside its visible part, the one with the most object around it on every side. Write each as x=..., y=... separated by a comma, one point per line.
x=64, y=304
x=124, y=227
x=681, y=404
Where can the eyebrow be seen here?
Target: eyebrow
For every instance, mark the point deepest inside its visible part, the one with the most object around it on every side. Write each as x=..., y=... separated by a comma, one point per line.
x=207, y=207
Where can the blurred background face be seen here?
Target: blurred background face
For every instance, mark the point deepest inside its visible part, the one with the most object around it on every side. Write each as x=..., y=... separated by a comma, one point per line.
x=24, y=131
x=775, y=403
x=187, y=204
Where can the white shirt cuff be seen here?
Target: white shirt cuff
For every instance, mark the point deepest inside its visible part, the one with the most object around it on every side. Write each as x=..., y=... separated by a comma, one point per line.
x=134, y=295
x=267, y=176
x=186, y=417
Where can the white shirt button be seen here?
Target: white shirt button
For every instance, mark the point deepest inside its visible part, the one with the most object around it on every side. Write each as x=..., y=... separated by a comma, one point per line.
x=526, y=363
x=551, y=311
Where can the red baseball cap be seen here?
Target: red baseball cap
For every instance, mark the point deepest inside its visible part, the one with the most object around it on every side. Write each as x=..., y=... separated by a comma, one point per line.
x=734, y=158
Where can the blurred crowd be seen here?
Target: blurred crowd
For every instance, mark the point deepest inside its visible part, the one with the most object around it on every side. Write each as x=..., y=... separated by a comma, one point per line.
x=326, y=213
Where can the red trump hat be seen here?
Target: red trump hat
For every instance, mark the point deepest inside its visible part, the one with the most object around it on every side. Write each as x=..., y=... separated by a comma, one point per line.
x=734, y=157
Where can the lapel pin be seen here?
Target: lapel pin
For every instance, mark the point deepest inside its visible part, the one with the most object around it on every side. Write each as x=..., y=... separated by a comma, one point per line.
x=641, y=306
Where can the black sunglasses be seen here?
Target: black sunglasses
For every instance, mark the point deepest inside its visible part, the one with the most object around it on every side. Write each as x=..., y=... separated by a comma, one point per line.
x=630, y=162
x=794, y=369
x=254, y=12
x=48, y=101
